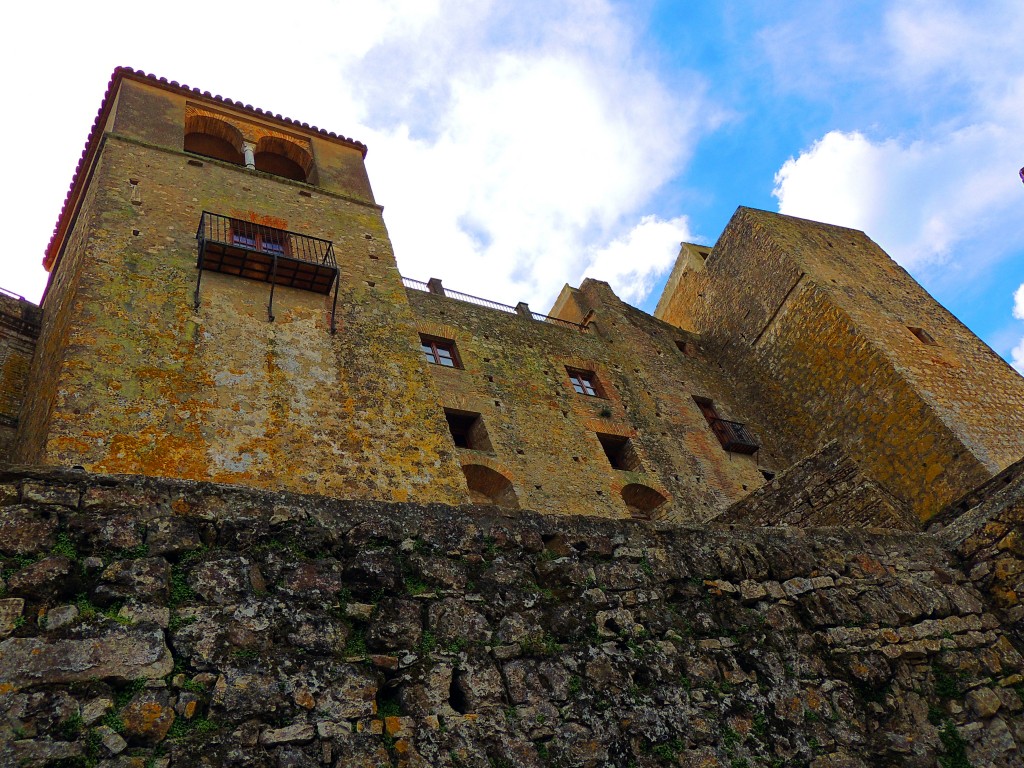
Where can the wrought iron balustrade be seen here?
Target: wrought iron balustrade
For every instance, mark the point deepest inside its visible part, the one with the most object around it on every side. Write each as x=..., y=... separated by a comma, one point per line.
x=733, y=436
x=254, y=251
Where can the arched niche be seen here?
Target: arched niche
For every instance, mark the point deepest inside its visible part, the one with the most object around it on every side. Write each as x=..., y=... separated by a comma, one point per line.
x=487, y=486
x=642, y=500
x=283, y=158
x=210, y=137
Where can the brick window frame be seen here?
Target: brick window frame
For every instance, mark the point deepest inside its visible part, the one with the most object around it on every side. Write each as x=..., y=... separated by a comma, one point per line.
x=584, y=382
x=257, y=237
x=438, y=351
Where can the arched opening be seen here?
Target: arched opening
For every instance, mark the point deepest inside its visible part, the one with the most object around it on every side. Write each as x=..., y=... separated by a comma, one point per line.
x=210, y=137
x=489, y=487
x=641, y=500
x=283, y=158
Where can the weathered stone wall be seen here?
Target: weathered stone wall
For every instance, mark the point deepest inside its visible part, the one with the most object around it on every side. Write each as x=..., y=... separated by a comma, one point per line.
x=825, y=489
x=819, y=316
x=178, y=623
x=19, y=331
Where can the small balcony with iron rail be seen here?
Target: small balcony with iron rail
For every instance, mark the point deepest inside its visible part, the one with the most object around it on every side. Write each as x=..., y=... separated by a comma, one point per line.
x=254, y=251
x=734, y=436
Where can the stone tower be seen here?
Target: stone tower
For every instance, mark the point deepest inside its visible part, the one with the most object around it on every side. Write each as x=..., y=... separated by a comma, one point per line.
x=270, y=366
x=845, y=345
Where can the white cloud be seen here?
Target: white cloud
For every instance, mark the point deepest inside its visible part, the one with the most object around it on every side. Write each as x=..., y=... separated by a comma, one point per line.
x=540, y=152
x=632, y=262
x=1017, y=357
x=943, y=196
x=1018, y=303
x=946, y=191
x=509, y=142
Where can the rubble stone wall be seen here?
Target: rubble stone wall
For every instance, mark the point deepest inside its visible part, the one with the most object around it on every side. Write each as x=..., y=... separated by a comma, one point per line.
x=157, y=622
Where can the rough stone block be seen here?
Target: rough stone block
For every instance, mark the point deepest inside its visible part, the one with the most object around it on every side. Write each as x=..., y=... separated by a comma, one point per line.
x=122, y=654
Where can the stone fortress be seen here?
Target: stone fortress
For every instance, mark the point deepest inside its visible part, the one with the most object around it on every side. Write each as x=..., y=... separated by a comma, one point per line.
x=269, y=502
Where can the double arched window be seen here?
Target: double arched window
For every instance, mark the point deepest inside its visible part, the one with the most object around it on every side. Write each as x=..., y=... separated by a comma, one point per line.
x=218, y=139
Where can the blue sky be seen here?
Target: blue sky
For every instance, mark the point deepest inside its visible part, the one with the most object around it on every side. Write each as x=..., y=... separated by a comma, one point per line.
x=519, y=146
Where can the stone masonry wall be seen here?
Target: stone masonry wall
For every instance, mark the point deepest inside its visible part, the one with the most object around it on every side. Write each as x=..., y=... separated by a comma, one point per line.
x=827, y=488
x=19, y=330
x=148, y=622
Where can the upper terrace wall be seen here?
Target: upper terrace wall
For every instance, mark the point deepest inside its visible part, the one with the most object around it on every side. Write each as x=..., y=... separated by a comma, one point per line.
x=157, y=116
x=543, y=434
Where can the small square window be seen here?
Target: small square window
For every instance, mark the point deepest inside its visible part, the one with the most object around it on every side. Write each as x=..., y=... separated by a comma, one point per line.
x=439, y=352
x=620, y=452
x=688, y=348
x=468, y=430
x=922, y=335
x=584, y=382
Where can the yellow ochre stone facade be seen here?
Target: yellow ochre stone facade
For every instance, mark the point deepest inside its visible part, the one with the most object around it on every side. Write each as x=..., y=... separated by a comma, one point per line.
x=848, y=346
x=784, y=337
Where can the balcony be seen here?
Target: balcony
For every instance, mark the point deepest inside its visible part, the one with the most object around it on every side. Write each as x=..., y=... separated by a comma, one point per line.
x=257, y=252
x=733, y=436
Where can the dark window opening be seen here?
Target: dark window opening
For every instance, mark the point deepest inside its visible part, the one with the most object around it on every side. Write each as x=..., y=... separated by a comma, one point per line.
x=439, y=352
x=584, y=382
x=279, y=165
x=922, y=335
x=214, y=147
x=468, y=430
x=768, y=475
x=620, y=451
x=688, y=348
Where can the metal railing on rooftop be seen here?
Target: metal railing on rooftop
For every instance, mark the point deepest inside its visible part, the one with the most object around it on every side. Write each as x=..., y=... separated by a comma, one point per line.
x=478, y=301
x=434, y=286
x=416, y=285
x=558, y=321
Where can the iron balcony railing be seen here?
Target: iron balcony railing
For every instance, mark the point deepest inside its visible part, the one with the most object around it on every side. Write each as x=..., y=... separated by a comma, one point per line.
x=259, y=238
x=254, y=251
x=734, y=436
